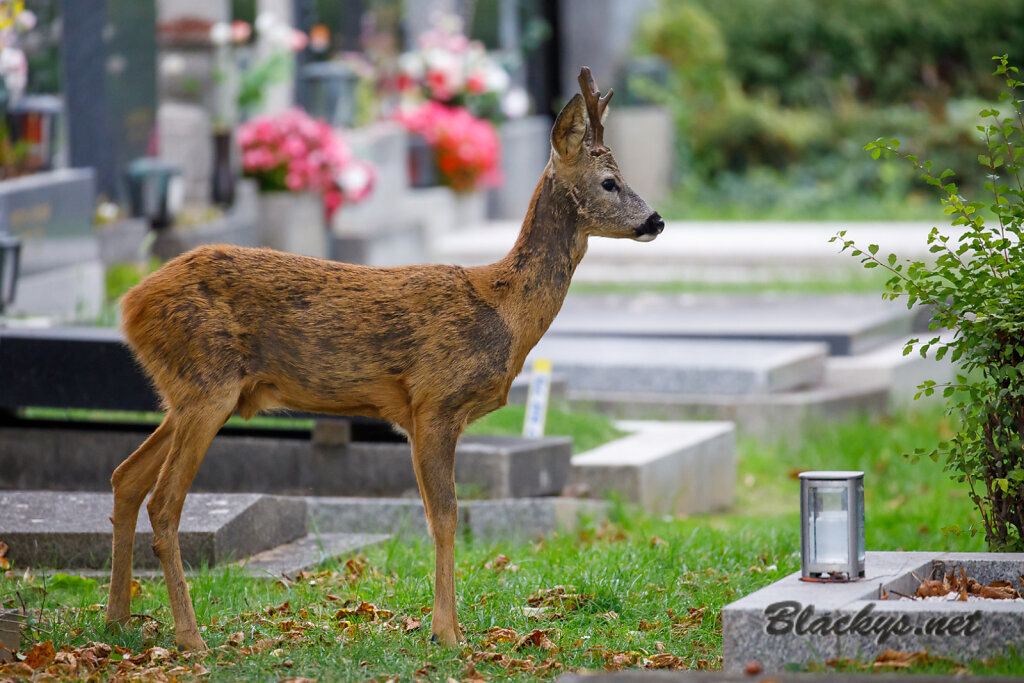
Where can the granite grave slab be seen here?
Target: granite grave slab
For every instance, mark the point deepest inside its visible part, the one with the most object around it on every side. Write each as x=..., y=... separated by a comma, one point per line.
x=665, y=467
x=73, y=530
x=796, y=622
x=80, y=456
x=515, y=519
x=665, y=366
x=849, y=324
x=782, y=414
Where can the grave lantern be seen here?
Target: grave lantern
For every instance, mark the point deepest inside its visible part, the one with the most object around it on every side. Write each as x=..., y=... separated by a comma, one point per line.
x=155, y=190
x=832, y=526
x=10, y=258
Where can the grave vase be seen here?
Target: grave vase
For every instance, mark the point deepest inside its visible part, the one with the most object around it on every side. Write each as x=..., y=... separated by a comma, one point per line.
x=293, y=222
x=470, y=209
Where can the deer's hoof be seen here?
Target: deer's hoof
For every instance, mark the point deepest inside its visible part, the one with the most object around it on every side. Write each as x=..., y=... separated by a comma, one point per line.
x=191, y=643
x=445, y=639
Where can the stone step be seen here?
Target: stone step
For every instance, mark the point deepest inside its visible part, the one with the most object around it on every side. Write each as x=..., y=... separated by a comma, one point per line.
x=509, y=519
x=665, y=467
x=779, y=415
x=64, y=529
x=888, y=366
x=307, y=552
x=849, y=324
x=82, y=458
x=596, y=364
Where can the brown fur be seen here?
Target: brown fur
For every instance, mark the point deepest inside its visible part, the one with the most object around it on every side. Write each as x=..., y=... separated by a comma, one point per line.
x=226, y=329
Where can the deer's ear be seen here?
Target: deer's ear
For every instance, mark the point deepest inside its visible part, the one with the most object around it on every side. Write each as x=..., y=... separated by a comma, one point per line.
x=570, y=128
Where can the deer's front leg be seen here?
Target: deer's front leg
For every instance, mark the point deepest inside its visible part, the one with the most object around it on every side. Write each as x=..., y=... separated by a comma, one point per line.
x=433, y=456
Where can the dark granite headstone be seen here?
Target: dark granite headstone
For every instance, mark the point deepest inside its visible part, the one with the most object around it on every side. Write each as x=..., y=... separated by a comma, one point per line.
x=109, y=69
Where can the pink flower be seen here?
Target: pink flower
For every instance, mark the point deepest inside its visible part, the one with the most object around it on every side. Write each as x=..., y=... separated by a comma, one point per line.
x=293, y=151
x=466, y=148
x=240, y=31
x=476, y=83
x=298, y=41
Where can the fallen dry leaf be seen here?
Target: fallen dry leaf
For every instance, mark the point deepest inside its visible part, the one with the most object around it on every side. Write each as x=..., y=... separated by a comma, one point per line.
x=645, y=625
x=665, y=661
x=538, y=638
x=41, y=655
x=563, y=597
x=235, y=639
x=899, y=659
x=410, y=624
x=498, y=635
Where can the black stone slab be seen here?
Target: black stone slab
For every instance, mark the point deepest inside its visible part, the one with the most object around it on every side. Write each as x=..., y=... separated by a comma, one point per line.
x=73, y=530
x=92, y=368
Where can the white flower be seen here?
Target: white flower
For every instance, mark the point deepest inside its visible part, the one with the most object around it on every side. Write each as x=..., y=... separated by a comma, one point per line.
x=14, y=70
x=220, y=33
x=265, y=22
x=496, y=79
x=515, y=103
x=354, y=179
x=411, y=65
x=26, y=20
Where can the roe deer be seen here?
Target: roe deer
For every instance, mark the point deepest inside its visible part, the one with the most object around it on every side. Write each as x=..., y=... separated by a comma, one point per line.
x=430, y=348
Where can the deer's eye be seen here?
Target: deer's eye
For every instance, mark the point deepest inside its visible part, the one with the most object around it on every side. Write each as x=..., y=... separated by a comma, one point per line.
x=609, y=185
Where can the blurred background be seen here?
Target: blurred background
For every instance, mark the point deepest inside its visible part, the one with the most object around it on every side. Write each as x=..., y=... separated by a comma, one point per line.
x=163, y=124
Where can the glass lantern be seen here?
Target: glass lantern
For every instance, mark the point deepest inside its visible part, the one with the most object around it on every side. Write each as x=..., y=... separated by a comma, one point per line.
x=832, y=525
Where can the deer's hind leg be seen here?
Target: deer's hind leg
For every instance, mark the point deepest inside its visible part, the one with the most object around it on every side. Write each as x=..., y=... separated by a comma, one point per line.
x=433, y=451
x=196, y=426
x=131, y=481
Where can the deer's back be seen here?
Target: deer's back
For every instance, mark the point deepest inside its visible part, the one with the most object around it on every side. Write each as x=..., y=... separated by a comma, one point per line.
x=317, y=335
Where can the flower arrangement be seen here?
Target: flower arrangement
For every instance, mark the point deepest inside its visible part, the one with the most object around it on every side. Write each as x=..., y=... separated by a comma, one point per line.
x=15, y=21
x=451, y=69
x=466, y=149
x=293, y=152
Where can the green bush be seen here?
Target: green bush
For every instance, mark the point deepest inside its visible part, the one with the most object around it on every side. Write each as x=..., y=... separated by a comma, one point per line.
x=783, y=94
x=976, y=290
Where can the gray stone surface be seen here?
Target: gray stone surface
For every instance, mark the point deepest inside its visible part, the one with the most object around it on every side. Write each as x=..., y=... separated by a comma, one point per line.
x=83, y=459
x=237, y=226
x=642, y=138
x=648, y=676
x=849, y=324
x=888, y=366
x=63, y=529
x=749, y=632
x=507, y=519
x=764, y=415
x=10, y=633
x=525, y=149
x=598, y=364
x=65, y=294
x=307, y=552
x=521, y=387
x=665, y=467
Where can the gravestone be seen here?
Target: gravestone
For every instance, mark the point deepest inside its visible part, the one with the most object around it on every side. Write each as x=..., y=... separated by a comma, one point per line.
x=108, y=52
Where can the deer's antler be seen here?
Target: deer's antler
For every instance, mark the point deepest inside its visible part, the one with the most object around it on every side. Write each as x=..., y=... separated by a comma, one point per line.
x=595, y=109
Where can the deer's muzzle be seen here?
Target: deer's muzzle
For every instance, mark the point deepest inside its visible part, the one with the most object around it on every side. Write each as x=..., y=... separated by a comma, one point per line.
x=651, y=228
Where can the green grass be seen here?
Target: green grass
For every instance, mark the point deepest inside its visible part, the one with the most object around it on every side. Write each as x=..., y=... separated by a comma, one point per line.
x=149, y=418
x=633, y=569
x=588, y=430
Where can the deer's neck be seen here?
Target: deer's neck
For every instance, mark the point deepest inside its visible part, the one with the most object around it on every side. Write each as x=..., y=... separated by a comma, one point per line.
x=533, y=279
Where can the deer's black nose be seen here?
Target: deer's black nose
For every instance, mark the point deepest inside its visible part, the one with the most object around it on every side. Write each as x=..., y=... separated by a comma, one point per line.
x=654, y=225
